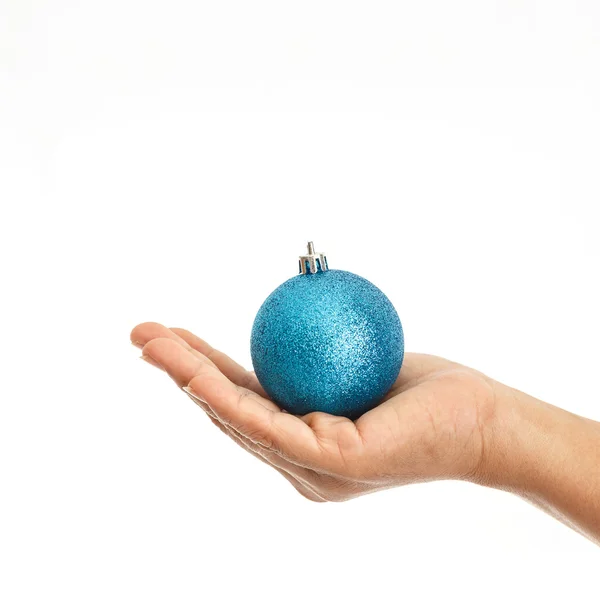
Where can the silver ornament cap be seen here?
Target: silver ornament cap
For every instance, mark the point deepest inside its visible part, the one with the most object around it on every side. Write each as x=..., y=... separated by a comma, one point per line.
x=312, y=261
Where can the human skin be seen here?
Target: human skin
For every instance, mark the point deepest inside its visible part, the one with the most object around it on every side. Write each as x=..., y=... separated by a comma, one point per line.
x=441, y=420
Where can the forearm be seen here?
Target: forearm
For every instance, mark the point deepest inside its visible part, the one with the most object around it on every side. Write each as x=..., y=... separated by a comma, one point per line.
x=548, y=456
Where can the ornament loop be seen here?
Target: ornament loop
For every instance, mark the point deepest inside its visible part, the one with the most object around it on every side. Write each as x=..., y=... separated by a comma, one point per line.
x=312, y=261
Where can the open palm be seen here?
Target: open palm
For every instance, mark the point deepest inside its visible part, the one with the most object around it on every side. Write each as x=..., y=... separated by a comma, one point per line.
x=430, y=425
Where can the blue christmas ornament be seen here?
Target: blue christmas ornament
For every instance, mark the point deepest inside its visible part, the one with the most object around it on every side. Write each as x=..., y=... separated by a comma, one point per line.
x=326, y=340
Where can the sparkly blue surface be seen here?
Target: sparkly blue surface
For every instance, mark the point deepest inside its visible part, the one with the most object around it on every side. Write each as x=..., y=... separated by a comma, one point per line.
x=327, y=341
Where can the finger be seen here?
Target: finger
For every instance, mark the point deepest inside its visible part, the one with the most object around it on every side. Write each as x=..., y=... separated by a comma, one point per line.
x=285, y=469
x=396, y=424
x=239, y=408
x=141, y=334
x=235, y=406
x=178, y=362
x=225, y=364
x=305, y=477
x=301, y=488
x=301, y=484
x=184, y=364
x=147, y=332
x=167, y=344
x=417, y=367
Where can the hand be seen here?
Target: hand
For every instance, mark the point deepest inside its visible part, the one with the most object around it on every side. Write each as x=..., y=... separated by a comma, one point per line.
x=433, y=424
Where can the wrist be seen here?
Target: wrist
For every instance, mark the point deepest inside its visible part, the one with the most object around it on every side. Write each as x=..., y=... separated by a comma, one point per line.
x=548, y=456
x=530, y=444
x=520, y=442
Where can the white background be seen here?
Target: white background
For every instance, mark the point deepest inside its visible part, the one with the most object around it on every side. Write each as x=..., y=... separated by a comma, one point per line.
x=168, y=161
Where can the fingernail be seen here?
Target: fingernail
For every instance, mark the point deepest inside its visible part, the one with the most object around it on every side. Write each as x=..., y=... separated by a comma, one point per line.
x=137, y=344
x=194, y=396
x=151, y=361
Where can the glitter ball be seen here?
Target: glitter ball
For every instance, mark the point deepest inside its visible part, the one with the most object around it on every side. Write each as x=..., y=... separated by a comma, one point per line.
x=327, y=341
